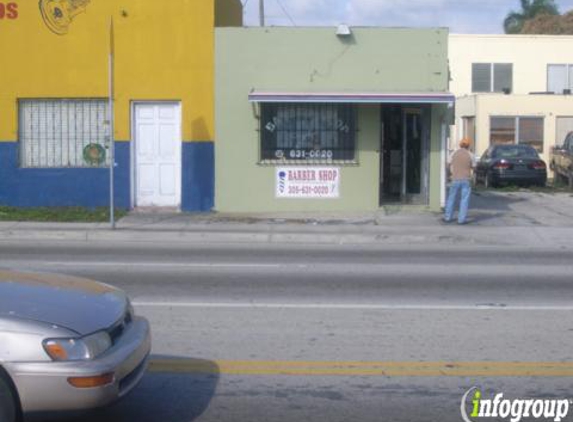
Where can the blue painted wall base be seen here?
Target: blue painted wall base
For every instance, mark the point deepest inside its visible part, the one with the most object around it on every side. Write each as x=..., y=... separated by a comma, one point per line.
x=62, y=187
x=198, y=172
x=89, y=187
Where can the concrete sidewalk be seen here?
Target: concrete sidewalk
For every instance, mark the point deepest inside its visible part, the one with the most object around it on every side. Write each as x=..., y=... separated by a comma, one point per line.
x=386, y=227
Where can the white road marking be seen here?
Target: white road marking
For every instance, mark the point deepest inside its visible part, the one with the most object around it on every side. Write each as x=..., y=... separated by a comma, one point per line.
x=434, y=269
x=113, y=264
x=349, y=306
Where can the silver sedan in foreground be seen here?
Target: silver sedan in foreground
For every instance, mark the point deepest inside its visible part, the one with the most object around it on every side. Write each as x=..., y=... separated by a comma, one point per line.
x=66, y=343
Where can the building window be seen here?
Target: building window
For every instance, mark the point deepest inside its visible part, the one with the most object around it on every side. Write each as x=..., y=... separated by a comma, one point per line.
x=560, y=78
x=492, y=77
x=63, y=133
x=307, y=132
x=502, y=130
x=564, y=126
x=517, y=130
x=530, y=132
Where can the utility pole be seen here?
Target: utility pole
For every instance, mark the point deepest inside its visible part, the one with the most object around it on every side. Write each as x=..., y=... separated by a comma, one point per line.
x=111, y=125
x=262, y=12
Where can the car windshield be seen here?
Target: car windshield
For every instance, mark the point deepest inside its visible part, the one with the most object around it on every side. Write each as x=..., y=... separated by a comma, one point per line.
x=514, y=152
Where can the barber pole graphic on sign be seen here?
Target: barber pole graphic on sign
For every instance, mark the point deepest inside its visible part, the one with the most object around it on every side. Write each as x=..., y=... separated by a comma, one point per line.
x=308, y=182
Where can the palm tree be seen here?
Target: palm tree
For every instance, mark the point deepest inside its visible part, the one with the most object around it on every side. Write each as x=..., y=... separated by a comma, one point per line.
x=514, y=21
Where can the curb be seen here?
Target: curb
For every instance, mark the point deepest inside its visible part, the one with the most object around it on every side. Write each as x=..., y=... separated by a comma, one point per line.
x=345, y=235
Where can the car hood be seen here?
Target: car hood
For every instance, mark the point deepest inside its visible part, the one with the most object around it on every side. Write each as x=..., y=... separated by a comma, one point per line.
x=78, y=304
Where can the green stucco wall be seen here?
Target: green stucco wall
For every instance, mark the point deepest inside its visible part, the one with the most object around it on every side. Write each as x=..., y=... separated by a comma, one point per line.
x=439, y=117
x=316, y=60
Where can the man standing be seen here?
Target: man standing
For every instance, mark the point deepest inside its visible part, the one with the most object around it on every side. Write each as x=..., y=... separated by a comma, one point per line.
x=461, y=165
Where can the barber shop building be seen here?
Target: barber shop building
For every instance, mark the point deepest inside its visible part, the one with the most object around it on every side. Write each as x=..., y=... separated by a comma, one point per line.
x=330, y=119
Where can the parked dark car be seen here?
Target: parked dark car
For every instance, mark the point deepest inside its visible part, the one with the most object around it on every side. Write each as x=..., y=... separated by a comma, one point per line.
x=562, y=160
x=511, y=164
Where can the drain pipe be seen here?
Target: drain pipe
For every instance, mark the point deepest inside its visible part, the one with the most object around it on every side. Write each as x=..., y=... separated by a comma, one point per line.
x=443, y=175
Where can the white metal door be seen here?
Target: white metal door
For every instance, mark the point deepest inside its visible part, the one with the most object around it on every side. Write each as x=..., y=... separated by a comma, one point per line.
x=157, y=154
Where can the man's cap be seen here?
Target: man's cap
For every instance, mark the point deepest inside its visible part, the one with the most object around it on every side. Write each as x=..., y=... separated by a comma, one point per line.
x=465, y=143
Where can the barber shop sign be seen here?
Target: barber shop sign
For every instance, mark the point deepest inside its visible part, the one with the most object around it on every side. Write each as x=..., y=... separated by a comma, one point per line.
x=308, y=182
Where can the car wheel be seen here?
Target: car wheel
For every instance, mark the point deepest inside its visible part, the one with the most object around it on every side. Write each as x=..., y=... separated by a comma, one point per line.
x=9, y=407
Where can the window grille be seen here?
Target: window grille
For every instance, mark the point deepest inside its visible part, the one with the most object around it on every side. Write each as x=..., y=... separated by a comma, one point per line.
x=320, y=133
x=63, y=133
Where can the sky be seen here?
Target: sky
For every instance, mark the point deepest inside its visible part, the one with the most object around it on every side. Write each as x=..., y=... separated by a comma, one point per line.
x=461, y=16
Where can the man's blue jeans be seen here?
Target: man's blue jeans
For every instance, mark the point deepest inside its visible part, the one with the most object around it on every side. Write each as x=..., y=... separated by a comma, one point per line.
x=466, y=190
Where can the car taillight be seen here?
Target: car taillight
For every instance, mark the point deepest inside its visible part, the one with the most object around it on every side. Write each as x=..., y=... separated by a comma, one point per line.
x=502, y=165
x=538, y=165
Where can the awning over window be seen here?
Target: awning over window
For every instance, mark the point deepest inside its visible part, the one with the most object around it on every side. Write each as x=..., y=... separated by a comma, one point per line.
x=353, y=97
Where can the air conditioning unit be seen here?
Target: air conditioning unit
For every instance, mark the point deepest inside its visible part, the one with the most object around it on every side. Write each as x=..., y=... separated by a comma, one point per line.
x=343, y=30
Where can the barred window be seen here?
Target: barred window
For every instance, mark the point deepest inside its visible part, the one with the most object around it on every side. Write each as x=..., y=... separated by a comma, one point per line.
x=64, y=133
x=308, y=132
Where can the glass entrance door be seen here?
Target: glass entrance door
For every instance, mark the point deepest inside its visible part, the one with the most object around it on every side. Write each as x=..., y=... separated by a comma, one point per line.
x=414, y=186
x=404, y=155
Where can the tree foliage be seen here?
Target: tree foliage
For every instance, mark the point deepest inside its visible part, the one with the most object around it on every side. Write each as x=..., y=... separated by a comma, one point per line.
x=550, y=25
x=530, y=9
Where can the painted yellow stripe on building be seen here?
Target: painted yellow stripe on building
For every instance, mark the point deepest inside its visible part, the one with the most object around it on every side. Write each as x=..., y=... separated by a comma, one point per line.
x=389, y=369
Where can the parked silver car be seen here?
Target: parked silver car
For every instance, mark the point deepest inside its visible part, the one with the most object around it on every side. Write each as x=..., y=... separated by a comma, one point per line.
x=66, y=343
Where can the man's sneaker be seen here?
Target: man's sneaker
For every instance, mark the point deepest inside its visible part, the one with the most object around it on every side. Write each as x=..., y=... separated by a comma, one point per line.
x=463, y=223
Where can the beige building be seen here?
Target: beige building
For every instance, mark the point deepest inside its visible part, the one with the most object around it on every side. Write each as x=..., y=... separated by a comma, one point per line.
x=512, y=89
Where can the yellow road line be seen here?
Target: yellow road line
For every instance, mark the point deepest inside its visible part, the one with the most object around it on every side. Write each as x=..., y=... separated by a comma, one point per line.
x=389, y=369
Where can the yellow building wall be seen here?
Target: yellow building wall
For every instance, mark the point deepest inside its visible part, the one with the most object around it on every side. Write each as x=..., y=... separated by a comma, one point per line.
x=164, y=50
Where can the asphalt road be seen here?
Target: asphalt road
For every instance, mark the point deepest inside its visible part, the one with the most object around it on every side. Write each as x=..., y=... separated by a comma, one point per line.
x=332, y=333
